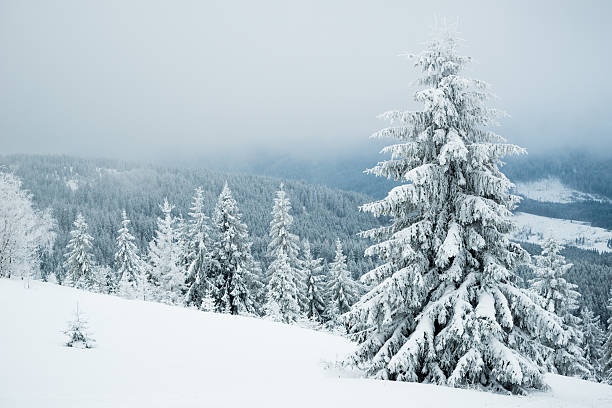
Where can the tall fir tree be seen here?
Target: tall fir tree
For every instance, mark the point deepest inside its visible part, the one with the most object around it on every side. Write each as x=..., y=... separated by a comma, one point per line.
x=282, y=303
x=592, y=341
x=344, y=291
x=315, y=296
x=128, y=264
x=560, y=297
x=198, y=255
x=165, y=277
x=606, y=360
x=445, y=307
x=79, y=262
x=282, y=241
x=231, y=257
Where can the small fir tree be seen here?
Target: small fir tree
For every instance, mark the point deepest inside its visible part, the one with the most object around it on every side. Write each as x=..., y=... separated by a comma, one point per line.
x=312, y=268
x=198, y=256
x=77, y=332
x=283, y=241
x=128, y=264
x=560, y=297
x=344, y=291
x=606, y=360
x=282, y=304
x=165, y=276
x=230, y=257
x=79, y=262
x=592, y=341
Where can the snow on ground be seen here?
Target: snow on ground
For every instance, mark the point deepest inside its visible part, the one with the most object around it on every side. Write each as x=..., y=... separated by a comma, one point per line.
x=535, y=228
x=152, y=355
x=552, y=190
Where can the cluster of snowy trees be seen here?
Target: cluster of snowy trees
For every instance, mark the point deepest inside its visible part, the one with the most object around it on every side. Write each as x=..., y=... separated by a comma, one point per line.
x=26, y=234
x=207, y=264
x=445, y=306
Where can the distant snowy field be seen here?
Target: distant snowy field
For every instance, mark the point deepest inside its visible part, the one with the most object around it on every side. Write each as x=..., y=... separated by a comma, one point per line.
x=551, y=190
x=535, y=228
x=151, y=355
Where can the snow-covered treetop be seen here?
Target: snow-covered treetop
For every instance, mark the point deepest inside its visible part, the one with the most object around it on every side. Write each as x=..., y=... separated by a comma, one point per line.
x=281, y=239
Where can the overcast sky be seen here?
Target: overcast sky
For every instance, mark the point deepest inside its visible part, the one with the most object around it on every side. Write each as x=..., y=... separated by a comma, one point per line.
x=136, y=79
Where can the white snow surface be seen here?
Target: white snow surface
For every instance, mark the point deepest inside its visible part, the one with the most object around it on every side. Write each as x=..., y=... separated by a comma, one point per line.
x=152, y=355
x=552, y=190
x=536, y=229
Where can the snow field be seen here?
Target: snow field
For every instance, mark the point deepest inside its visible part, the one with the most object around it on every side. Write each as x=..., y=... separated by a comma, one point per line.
x=153, y=355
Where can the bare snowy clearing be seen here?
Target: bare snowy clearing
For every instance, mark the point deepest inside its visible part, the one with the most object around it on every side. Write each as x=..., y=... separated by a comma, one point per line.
x=552, y=190
x=535, y=229
x=152, y=355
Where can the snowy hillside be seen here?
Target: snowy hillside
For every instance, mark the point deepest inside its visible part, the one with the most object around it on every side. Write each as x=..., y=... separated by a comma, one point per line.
x=151, y=355
x=552, y=190
x=535, y=228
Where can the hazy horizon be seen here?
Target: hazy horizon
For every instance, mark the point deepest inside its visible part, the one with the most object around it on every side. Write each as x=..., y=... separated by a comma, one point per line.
x=149, y=80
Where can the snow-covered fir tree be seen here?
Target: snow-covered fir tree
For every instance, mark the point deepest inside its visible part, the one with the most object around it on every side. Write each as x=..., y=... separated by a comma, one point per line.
x=282, y=241
x=606, y=359
x=79, y=262
x=106, y=278
x=198, y=255
x=208, y=302
x=343, y=290
x=25, y=233
x=165, y=276
x=560, y=297
x=592, y=340
x=445, y=307
x=230, y=257
x=77, y=333
x=282, y=303
x=128, y=264
x=315, y=286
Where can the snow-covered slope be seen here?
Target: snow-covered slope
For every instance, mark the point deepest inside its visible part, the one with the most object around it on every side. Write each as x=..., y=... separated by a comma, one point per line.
x=535, y=228
x=151, y=355
x=552, y=190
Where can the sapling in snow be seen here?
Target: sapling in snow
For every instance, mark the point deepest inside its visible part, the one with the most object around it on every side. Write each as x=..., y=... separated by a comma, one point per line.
x=77, y=332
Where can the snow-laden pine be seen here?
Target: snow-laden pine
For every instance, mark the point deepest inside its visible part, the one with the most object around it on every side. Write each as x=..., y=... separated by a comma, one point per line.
x=282, y=301
x=592, y=340
x=606, y=360
x=560, y=297
x=79, y=262
x=198, y=255
x=128, y=264
x=284, y=243
x=445, y=307
x=231, y=259
x=315, y=285
x=165, y=277
x=343, y=290
x=24, y=233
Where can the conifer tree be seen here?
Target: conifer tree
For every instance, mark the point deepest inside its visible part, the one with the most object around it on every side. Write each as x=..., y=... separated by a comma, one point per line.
x=79, y=262
x=444, y=307
x=127, y=262
x=312, y=268
x=165, y=276
x=198, y=256
x=283, y=241
x=560, y=297
x=230, y=257
x=344, y=291
x=282, y=304
x=606, y=360
x=592, y=341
